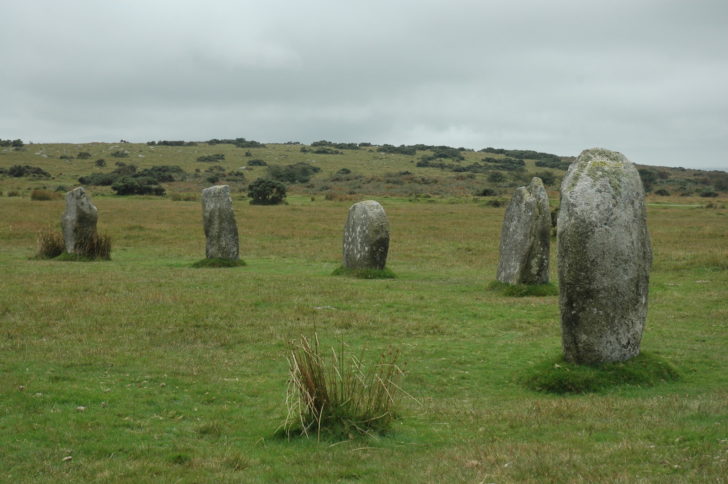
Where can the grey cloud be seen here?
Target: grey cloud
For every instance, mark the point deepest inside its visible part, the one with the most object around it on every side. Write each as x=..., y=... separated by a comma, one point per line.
x=647, y=78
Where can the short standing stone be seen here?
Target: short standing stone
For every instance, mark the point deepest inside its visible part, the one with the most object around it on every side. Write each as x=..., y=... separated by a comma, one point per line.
x=604, y=258
x=525, y=237
x=366, y=236
x=78, y=221
x=218, y=218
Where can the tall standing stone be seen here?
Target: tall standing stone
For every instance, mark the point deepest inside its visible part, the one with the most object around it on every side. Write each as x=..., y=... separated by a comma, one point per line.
x=218, y=219
x=525, y=237
x=366, y=236
x=604, y=258
x=78, y=222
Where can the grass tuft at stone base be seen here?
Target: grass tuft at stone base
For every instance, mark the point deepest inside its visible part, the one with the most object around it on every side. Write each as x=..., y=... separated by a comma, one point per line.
x=364, y=273
x=67, y=257
x=559, y=376
x=523, y=290
x=218, y=262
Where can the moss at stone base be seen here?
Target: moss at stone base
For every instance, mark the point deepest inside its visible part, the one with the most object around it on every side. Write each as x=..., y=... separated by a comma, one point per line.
x=558, y=376
x=217, y=262
x=364, y=273
x=522, y=290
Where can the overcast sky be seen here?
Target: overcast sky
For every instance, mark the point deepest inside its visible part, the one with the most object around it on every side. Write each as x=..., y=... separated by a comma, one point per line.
x=646, y=78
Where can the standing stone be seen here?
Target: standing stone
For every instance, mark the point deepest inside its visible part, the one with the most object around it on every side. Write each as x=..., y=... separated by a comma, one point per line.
x=604, y=258
x=218, y=218
x=78, y=222
x=366, y=236
x=525, y=237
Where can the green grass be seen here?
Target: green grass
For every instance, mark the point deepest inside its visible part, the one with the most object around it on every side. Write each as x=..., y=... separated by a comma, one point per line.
x=523, y=290
x=385, y=273
x=559, y=376
x=144, y=369
x=215, y=262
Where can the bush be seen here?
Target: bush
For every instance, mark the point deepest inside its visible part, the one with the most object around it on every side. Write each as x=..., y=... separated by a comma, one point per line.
x=183, y=197
x=98, y=179
x=44, y=195
x=100, y=162
x=266, y=192
x=708, y=193
x=400, y=150
x=648, y=177
x=50, y=243
x=546, y=177
x=553, y=163
x=83, y=155
x=486, y=192
x=257, y=162
x=496, y=177
x=128, y=185
x=337, y=395
x=15, y=143
x=296, y=173
x=662, y=192
x=163, y=173
x=211, y=158
x=19, y=171
x=239, y=142
x=120, y=154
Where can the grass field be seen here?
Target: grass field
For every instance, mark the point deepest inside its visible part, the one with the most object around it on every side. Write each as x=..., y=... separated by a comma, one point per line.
x=145, y=369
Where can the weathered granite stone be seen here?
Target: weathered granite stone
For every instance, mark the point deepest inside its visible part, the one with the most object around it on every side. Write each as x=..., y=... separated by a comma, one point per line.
x=78, y=222
x=525, y=237
x=218, y=218
x=366, y=236
x=604, y=258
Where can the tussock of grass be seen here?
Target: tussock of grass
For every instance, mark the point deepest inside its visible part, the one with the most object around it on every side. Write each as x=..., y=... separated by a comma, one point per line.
x=218, y=262
x=364, y=273
x=559, y=376
x=338, y=396
x=52, y=246
x=522, y=290
x=96, y=246
x=50, y=243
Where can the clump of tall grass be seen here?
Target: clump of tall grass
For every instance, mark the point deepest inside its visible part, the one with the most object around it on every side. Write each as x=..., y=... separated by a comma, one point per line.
x=50, y=243
x=44, y=195
x=92, y=247
x=338, y=396
x=95, y=246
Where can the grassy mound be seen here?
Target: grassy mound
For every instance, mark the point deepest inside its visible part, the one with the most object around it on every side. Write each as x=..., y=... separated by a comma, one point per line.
x=218, y=262
x=559, y=376
x=522, y=290
x=364, y=273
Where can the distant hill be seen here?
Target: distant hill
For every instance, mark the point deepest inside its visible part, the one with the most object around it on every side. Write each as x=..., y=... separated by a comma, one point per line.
x=330, y=169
